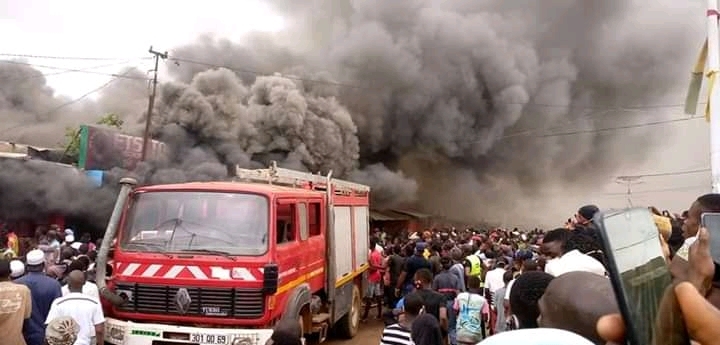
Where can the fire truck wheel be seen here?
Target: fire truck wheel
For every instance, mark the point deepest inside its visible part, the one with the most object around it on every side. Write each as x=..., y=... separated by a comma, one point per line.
x=347, y=327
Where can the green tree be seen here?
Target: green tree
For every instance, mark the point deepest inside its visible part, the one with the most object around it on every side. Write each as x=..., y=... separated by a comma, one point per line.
x=72, y=135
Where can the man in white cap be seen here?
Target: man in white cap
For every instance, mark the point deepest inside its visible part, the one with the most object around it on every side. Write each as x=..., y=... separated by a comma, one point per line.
x=69, y=240
x=17, y=269
x=86, y=310
x=44, y=290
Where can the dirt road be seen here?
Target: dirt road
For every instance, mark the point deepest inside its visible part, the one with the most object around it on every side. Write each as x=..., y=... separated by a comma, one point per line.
x=369, y=334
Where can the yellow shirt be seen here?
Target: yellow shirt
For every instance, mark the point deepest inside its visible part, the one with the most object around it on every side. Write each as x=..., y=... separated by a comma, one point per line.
x=14, y=243
x=14, y=310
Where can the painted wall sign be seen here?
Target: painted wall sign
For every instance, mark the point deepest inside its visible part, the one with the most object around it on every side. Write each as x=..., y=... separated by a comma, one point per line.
x=104, y=149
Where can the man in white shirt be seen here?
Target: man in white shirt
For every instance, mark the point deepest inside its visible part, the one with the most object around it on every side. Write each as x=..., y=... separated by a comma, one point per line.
x=85, y=310
x=573, y=249
x=574, y=261
x=494, y=278
x=89, y=288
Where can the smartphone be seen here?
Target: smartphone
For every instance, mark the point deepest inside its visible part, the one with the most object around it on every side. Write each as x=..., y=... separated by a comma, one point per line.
x=711, y=222
x=637, y=268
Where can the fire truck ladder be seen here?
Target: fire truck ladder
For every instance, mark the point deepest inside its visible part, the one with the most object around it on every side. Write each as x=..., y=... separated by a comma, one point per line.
x=292, y=178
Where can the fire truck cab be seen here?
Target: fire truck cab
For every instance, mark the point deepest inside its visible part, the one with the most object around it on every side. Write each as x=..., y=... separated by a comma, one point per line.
x=219, y=263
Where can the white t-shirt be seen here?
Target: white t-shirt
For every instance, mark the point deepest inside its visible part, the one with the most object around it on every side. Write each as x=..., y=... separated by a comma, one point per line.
x=89, y=289
x=86, y=311
x=684, y=250
x=574, y=261
x=494, y=279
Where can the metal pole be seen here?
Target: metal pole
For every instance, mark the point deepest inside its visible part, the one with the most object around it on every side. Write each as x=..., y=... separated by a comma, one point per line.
x=151, y=103
x=713, y=65
x=629, y=181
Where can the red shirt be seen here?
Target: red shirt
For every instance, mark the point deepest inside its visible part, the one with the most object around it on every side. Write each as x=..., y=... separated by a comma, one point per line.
x=376, y=260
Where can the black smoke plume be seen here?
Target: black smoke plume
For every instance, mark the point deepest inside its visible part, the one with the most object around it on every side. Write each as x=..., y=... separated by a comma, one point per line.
x=441, y=105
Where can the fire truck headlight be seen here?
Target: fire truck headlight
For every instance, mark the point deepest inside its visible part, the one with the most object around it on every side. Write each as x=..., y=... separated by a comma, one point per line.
x=240, y=340
x=116, y=333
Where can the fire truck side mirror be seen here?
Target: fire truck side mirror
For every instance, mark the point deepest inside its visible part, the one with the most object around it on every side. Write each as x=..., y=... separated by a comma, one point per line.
x=270, y=279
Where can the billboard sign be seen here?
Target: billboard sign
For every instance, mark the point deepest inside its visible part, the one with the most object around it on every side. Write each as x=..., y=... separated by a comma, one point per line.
x=104, y=149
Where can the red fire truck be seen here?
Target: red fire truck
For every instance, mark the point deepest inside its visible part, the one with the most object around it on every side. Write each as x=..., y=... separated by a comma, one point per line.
x=219, y=263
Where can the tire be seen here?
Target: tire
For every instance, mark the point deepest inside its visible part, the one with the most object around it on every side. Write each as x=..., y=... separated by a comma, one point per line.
x=347, y=327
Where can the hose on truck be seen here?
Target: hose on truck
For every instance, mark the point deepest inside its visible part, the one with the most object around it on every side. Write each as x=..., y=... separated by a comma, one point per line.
x=126, y=186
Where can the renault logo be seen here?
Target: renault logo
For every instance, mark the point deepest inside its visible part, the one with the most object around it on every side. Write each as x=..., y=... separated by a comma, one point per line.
x=182, y=301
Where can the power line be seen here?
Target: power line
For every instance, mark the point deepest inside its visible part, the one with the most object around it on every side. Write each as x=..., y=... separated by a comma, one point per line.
x=599, y=130
x=73, y=101
x=640, y=125
x=340, y=84
x=648, y=191
x=71, y=70
x=30, y=56
x=530, y=103
x=672, y=173
x=596, y=110
x=601, y=110
x=248, y=71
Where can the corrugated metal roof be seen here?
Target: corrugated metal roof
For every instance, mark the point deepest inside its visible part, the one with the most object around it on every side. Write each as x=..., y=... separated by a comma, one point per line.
x=413, y=214
x=386, y=215
x=8, y=146
x=13, y=155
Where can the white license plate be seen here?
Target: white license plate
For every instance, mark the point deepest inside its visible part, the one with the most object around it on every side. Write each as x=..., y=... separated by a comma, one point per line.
x=209, y=339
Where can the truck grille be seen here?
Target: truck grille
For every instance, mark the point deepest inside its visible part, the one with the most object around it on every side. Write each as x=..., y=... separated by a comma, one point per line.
x=208, y=302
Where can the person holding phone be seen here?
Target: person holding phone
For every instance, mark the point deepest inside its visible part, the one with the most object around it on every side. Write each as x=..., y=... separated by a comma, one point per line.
x=681, y=267
x=701, y=318
x=700, y=315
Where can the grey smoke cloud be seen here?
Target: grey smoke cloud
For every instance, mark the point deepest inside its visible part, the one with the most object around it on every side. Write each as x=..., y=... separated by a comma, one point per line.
x=445, y=86
x=424, y=100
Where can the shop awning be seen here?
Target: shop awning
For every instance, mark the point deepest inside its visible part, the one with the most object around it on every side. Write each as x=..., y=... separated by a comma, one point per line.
x=387, y=216
x=413, y=214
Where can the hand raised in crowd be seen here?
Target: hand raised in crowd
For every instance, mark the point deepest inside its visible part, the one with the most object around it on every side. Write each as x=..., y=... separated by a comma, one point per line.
x=702, y=267
x=700, y=317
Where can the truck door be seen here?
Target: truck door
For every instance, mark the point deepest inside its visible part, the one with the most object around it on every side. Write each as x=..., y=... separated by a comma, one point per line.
x=288, y=250
x=312, y=241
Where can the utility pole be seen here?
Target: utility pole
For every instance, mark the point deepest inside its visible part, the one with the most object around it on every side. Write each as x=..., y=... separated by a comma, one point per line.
x=151, y=102
x=713, y=67
x=629, y=181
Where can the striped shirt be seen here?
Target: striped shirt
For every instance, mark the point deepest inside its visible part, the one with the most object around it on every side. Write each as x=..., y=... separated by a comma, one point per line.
x=396, y=335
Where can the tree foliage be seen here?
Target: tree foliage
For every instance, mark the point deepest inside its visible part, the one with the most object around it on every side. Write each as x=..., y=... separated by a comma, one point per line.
x=72, y=135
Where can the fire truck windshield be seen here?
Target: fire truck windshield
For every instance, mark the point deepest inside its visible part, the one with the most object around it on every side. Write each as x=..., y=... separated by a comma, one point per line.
x=190, y=221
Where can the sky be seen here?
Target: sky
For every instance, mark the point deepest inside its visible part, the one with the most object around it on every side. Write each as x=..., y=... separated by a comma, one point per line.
x=123, y=31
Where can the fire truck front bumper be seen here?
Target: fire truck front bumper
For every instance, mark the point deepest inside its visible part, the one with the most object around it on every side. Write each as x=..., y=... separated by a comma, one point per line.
x=118, y=332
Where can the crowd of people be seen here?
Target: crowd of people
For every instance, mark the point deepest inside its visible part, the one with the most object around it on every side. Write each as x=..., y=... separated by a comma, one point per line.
x=48, y=295
x=473, y=286
x=440, y=287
